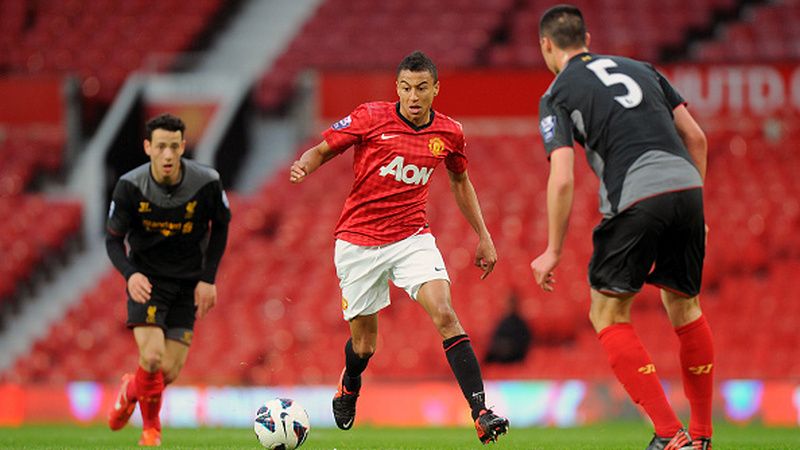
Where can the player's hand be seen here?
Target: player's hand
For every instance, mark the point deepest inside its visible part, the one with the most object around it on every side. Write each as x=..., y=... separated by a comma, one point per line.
x=543, y=267
x=205, y=297
x=485, y=256
x=139, y=288
x=298, y=172
x=706, y=238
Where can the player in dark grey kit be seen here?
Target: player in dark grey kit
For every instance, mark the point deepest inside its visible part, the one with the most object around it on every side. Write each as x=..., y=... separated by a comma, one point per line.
x=650, y=157
x=175, y=215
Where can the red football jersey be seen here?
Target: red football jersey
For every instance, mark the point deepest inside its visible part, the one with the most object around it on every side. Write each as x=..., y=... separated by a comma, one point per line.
x=393, y=162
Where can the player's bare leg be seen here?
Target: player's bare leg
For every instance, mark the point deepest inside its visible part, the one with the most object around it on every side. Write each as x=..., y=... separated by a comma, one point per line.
x=152, y=345
x=610, y=316
x=608, y=310
x=697, y=362
x=358, y=349
x=175, y=356
x=125, y=403
x=150, y=381
x=680, y=309
x=434, y=296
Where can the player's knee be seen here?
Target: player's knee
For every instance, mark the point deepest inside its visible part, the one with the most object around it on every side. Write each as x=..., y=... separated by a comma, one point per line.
x=609, y=309
x=683, y=311
x=445, y=319
x=171, y=374
x=151, y=360
x=599, y=320
x=367, y=353
x=364, y=349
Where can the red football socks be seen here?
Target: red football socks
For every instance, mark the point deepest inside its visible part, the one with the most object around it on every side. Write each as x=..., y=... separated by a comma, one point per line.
x=149, y=386
x=130, y=391
x=637, y=373
x=697, y=370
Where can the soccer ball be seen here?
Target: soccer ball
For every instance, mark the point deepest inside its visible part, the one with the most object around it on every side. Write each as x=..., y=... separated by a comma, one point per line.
x=281, y=424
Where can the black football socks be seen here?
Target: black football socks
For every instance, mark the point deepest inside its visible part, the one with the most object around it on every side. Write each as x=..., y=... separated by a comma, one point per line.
x=467, y=371
x=354, y=366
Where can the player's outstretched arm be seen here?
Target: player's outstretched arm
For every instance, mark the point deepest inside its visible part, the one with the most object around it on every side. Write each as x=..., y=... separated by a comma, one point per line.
x=560, y=187
x=693, y=137
x=467, y=200
x=310, y=161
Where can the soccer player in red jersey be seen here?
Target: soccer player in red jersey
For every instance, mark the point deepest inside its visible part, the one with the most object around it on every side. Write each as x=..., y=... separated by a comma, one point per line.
x=650, y=156
x=382, y=234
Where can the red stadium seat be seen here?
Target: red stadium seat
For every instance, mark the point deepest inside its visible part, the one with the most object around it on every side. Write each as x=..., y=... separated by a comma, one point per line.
x=432, y=26
x=767, y=33
x=82, y=37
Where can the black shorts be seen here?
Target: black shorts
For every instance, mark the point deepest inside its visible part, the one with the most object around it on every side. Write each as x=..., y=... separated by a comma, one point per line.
x=665, y=233
x=171, y=307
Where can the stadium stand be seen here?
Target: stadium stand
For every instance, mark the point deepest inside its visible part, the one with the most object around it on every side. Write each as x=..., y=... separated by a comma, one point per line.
x=26, y=152
x=333, y=38
x=630, y=28
x=278, y=286
x=277, y=321
x=48, y=35
x=34, y=230
x=47, y=38
x=100, y=42
x=499, y=33
x=768, y=32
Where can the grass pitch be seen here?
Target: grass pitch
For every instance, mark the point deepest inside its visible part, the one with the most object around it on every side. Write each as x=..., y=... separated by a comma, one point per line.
x=611, y=436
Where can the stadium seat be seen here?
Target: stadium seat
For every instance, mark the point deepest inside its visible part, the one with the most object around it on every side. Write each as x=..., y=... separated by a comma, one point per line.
x=431, y=26
x=767, y=33
x=86, y=38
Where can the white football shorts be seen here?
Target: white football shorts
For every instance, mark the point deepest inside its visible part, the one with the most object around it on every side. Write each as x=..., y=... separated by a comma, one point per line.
x=364, y=272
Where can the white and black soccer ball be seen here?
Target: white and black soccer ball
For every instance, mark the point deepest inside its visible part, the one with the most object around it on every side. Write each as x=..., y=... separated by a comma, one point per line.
x=281, y=424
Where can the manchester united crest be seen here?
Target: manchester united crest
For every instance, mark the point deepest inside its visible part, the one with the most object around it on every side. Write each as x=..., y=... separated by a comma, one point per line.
x=436, y=146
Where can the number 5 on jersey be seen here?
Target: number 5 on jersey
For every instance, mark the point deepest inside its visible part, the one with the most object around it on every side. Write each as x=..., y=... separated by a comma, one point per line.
x=634, y=95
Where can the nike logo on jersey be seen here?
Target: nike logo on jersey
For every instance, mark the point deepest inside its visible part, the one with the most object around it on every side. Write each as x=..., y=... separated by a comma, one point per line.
x=386, y=137
x=438, y=269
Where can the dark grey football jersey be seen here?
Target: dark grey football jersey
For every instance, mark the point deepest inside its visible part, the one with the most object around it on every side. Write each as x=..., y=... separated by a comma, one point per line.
x=166, y=227
x=620, y=111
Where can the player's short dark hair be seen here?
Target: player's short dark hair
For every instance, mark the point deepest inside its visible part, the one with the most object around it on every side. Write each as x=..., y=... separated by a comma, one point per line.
x=164, y=121
x=564, y=25
x=418, y=62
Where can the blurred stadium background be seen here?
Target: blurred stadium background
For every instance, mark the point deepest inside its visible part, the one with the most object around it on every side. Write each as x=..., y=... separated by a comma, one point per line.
x=256, y=81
